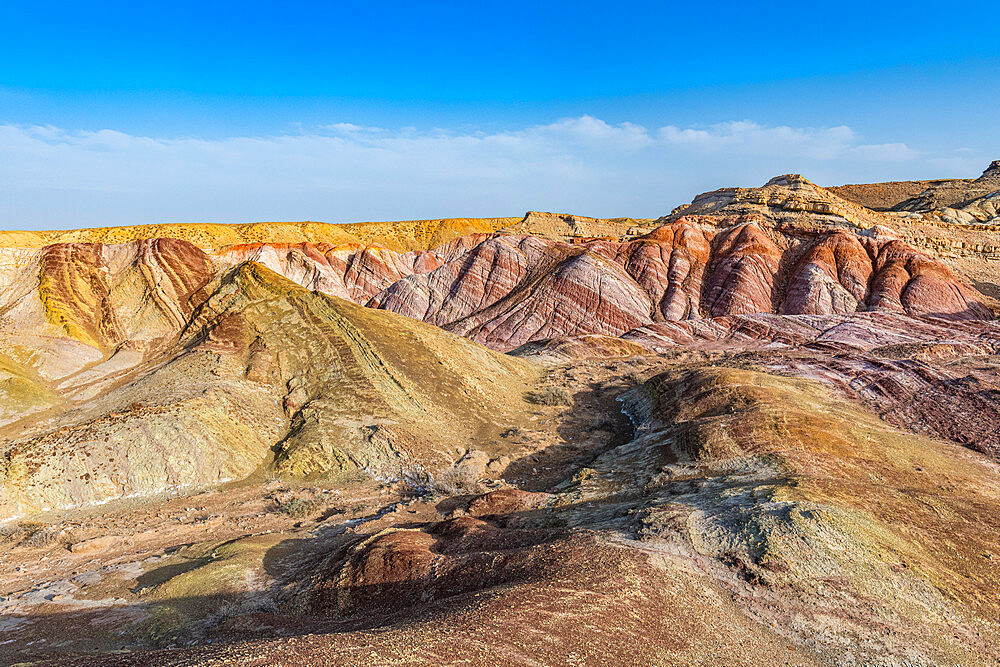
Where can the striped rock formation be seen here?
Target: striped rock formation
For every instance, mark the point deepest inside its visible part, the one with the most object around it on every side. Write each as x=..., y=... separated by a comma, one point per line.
x=763, y=430
x=508, y=291
x=270, y=327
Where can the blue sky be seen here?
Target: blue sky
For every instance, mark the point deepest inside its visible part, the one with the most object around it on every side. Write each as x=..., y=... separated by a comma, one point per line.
x=119, y=113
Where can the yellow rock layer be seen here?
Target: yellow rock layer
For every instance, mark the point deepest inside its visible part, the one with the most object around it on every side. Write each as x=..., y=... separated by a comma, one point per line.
x=401, y=236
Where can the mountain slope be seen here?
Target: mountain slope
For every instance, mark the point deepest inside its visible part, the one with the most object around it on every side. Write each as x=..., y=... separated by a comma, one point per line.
x=262, y=373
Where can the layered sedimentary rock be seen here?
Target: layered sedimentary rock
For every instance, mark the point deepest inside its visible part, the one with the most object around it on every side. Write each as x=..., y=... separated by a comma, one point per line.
x=983, y=210
x=79, y=317
x=350, y=271
x=509, y=290
x=563, y=227
x=73, y=314
x=788, y=199
x=930, y=375
x=87, y=327
x=401, y=236
x=789, y=247
x=763, y=430
x=512, y=290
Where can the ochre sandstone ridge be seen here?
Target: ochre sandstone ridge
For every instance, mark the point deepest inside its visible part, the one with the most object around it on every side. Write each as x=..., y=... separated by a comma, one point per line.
x=843, y=272
x=920, y=285
x=512, y=289
x=966, y=238
x=795, y=207
x=473, y=282
x=401, y=236
x=789, y=247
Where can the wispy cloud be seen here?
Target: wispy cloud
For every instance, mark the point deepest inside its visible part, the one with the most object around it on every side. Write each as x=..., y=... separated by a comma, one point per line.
x=56, y=177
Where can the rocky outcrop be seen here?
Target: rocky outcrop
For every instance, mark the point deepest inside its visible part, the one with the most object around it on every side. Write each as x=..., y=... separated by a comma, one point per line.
x=743, y=276
x=669, y=265
x=787, y=199
x=404, y=568
x=789, y=247
x=832, y=276
x=983, y=210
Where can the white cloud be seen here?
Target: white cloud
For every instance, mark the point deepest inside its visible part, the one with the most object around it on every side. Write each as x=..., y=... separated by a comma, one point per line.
x=52, y=177
x=747, y=137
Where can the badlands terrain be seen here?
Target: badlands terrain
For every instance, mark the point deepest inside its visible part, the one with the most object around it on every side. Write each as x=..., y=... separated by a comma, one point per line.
x=762, y=429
